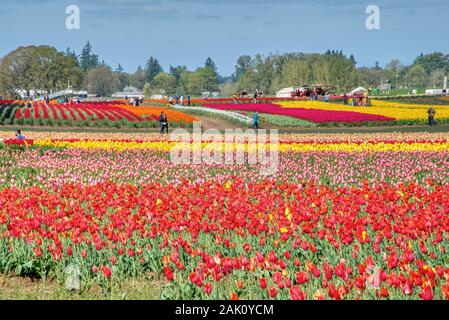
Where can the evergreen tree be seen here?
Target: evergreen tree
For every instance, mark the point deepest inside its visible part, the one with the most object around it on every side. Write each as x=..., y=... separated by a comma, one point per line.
x=211, y=65
x=351, y=57
x=88, y=60
x=122, y=78
x=152, y=69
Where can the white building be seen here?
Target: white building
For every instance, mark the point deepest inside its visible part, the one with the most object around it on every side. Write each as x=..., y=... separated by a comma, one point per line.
x=286, y=92
x=129, y=92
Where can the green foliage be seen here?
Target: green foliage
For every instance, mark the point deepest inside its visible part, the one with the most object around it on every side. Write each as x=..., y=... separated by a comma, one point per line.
x=202, y=80
x=137, y=79
x=283, y=121
x=122, y=78
x=147, y=90
x=88, y=60
x=433, y=61
x=164, y=83
x=210, y=64
x=34, y=67
x=243, y=64
x=152, y=69
x=418, y=77
x=101, y=81
x=274, y=72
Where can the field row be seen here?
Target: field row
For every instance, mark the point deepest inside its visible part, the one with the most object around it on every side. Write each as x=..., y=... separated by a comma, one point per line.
x=87, y=114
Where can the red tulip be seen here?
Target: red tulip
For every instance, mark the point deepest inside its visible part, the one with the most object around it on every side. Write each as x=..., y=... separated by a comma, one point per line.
x=408, y=288
x=426, y=292
x=106, y=271
x=263, y=283
x=38, y=251
x=272, y=291
x=208, y=288
x=296, y=293
x=168, y=273
x=302, y=277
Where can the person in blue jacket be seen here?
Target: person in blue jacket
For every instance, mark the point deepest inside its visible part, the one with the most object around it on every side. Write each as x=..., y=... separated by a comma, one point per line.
x=20, y=136
x=256, y=120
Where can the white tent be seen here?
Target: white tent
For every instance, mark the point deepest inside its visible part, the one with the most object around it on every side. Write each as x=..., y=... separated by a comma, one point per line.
x=359, y=90
x=286, y=92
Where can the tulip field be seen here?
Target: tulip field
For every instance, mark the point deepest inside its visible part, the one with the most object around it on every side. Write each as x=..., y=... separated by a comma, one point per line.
x=395, y=113
x=99, y=114
x=346, y=216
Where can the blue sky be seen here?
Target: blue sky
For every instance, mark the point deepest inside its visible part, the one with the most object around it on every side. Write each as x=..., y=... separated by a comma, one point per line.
x=186, y=32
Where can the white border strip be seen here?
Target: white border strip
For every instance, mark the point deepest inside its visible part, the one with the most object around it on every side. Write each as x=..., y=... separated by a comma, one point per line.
x=229, y=114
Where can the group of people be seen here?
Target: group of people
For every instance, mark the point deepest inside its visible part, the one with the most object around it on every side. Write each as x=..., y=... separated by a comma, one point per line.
x=256, y=96
x=135, y=101
x=178, y=100
x=66, y=100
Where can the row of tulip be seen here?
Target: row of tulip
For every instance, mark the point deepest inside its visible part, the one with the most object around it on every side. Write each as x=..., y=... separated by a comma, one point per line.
x=401, y=112
x=84, y=114
x=314, y=115
x=406, y=137
x=220, y=146
x=154, y=112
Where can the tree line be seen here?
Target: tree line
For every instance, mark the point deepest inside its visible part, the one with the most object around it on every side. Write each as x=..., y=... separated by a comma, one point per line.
x=34, y=68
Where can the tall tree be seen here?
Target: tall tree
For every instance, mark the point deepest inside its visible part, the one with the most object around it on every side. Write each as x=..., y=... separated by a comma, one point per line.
x=137, y=79
x=352, y=59
x=417, y=76
x=14, y=71
x=202, y=80
x=72, y=54
x=211, y=65
x=242, y=65
x=437, y=78
x=377, y=66
x=296, y=73
x=433, y=61
x=88, y=60
x=164, y=83
x=152, y=69
x=177, y=71
x=101, y=81
x=122, y=78
x=37, y=68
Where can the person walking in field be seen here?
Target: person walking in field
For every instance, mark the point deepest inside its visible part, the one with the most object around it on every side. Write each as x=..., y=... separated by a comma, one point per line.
x=431, y=116
x=256, y=120
x=164, y=122
x=235, y=97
